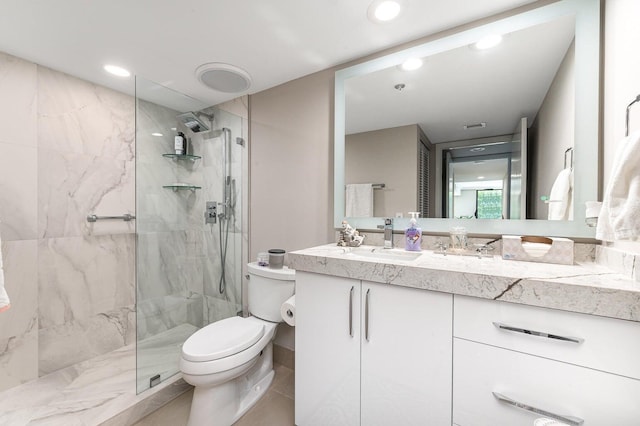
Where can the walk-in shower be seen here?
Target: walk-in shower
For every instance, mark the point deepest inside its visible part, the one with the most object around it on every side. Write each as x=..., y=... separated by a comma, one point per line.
x=189, y=269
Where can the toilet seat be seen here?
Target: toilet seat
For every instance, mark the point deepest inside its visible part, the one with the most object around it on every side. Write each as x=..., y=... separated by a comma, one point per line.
x=222, y=339
x=198, y=368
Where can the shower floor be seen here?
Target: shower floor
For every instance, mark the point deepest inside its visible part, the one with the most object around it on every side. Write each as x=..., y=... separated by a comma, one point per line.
x=102, y=390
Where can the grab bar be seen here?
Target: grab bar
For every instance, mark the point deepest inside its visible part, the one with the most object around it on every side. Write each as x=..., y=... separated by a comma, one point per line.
x=126, y=217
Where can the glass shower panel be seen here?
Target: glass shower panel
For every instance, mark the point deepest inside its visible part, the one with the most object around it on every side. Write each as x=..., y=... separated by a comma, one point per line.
x=188, y=263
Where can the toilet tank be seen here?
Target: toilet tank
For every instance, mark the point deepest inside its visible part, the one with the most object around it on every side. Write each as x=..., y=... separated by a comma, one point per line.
x=268, y=290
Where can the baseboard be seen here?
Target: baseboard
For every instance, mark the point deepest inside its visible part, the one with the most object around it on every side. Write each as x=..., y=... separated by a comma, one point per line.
x=284, y=356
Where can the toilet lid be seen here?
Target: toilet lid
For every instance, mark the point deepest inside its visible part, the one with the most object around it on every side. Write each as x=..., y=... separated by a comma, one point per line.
x=221, y=339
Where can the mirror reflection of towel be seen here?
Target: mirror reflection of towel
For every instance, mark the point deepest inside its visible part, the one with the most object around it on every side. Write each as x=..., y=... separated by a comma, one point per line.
x=359, y=200
x=560, y=196
x=4, y=298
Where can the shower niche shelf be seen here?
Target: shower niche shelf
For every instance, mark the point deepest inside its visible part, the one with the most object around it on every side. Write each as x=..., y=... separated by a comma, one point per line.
x=181, y=187
x=182, y=156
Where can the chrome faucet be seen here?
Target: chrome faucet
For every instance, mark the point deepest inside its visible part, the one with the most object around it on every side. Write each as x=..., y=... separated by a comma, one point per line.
x=388, y=232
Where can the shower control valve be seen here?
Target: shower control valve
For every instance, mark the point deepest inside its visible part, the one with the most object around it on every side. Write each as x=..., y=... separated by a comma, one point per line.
x=211, y=212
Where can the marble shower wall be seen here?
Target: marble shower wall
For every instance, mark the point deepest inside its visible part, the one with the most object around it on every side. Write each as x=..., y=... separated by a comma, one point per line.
x=66, y=150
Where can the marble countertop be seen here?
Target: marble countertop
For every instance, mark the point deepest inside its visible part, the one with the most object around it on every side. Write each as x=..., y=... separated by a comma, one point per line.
x=585, y=287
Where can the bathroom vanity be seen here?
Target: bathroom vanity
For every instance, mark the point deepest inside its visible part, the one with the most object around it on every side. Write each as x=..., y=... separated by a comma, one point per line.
x=391, y=337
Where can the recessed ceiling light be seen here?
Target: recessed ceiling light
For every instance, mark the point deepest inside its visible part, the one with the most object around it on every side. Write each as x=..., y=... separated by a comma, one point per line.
x=116, y=70
x=383, y=10
x=488, y=42
x=157, y=134
x=411, y=64
x=480, y=177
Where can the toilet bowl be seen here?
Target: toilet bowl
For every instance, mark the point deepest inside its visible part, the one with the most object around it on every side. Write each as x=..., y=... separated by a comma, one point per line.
x=230, y=362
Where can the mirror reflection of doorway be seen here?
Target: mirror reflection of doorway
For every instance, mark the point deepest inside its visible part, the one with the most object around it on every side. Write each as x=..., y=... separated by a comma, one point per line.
x=478, y=186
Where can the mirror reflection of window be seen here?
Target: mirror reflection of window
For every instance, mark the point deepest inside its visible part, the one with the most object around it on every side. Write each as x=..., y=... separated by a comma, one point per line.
x=489, y=204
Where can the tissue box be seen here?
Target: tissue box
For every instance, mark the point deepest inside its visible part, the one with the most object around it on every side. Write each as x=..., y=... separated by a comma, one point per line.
x=537, y=249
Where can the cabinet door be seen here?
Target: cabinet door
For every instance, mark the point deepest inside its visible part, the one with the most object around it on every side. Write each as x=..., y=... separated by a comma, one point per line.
x=327, y=352
x=406, y=356
x=551, y=387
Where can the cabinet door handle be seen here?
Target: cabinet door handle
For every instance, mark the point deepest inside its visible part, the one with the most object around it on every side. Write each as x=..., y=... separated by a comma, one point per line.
x=538, y=333
x=351, y=312
x=570, y=420
x=366, y=315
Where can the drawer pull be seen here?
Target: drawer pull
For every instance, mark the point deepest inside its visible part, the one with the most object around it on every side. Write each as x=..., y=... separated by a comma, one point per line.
x=351, y=312
x=366, y=316
x=538, y=333
x=570, y=420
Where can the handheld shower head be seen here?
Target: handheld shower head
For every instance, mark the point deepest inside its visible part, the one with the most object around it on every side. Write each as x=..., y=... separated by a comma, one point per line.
x=191, y=120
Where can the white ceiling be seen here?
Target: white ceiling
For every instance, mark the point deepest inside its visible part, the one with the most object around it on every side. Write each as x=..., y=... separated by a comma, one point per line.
x=166, y=40
x=497, y=86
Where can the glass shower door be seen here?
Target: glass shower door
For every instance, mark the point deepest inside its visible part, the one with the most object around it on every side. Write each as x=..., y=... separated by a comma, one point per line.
x=188, y=260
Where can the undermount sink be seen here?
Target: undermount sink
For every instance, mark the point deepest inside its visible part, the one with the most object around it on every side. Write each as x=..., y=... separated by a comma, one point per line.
x=383, y=254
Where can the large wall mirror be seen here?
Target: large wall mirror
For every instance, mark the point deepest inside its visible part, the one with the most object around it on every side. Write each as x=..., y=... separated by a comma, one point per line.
x=476, y=137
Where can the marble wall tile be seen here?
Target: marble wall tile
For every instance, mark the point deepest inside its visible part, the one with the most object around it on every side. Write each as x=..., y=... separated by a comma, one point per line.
x=71, y=186
x=19, y=324
x=19, y=101
x=233, y=268
x=169, y=263
x=155, y=316
x=152, y=118
x=76, y=340
x=18, y=192
x=81, y=117
x=218, y=309
x=80, y=277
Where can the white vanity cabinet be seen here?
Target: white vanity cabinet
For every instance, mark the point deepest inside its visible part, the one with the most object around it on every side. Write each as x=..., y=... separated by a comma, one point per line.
x=371, y=354
x=515, y=363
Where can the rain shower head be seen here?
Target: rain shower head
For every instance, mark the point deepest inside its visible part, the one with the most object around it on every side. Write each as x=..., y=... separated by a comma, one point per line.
x=191, y=120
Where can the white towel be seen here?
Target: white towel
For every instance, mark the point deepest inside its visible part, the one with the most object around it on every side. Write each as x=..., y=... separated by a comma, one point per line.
x=359, y=200
x=620, y=213
x=5, y=303
x=560, y=196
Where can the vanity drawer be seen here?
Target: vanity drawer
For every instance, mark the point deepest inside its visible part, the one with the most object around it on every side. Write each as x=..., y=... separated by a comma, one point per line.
x=601, y=343
x=482, y=374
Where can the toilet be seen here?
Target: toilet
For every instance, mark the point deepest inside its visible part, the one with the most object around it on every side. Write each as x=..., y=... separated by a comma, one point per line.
x=230, y=362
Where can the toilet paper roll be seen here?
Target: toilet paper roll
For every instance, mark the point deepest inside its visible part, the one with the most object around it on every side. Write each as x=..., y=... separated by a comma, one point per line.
x=288, y=311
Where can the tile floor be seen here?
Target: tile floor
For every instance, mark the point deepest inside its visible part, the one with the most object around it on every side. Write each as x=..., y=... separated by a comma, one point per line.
x=275, y=408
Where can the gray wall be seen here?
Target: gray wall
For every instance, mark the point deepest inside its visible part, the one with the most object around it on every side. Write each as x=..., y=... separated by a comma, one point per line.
x=292, y=165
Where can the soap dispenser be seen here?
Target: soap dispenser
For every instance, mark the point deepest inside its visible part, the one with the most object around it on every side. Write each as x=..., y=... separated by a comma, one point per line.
x=413, y=234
